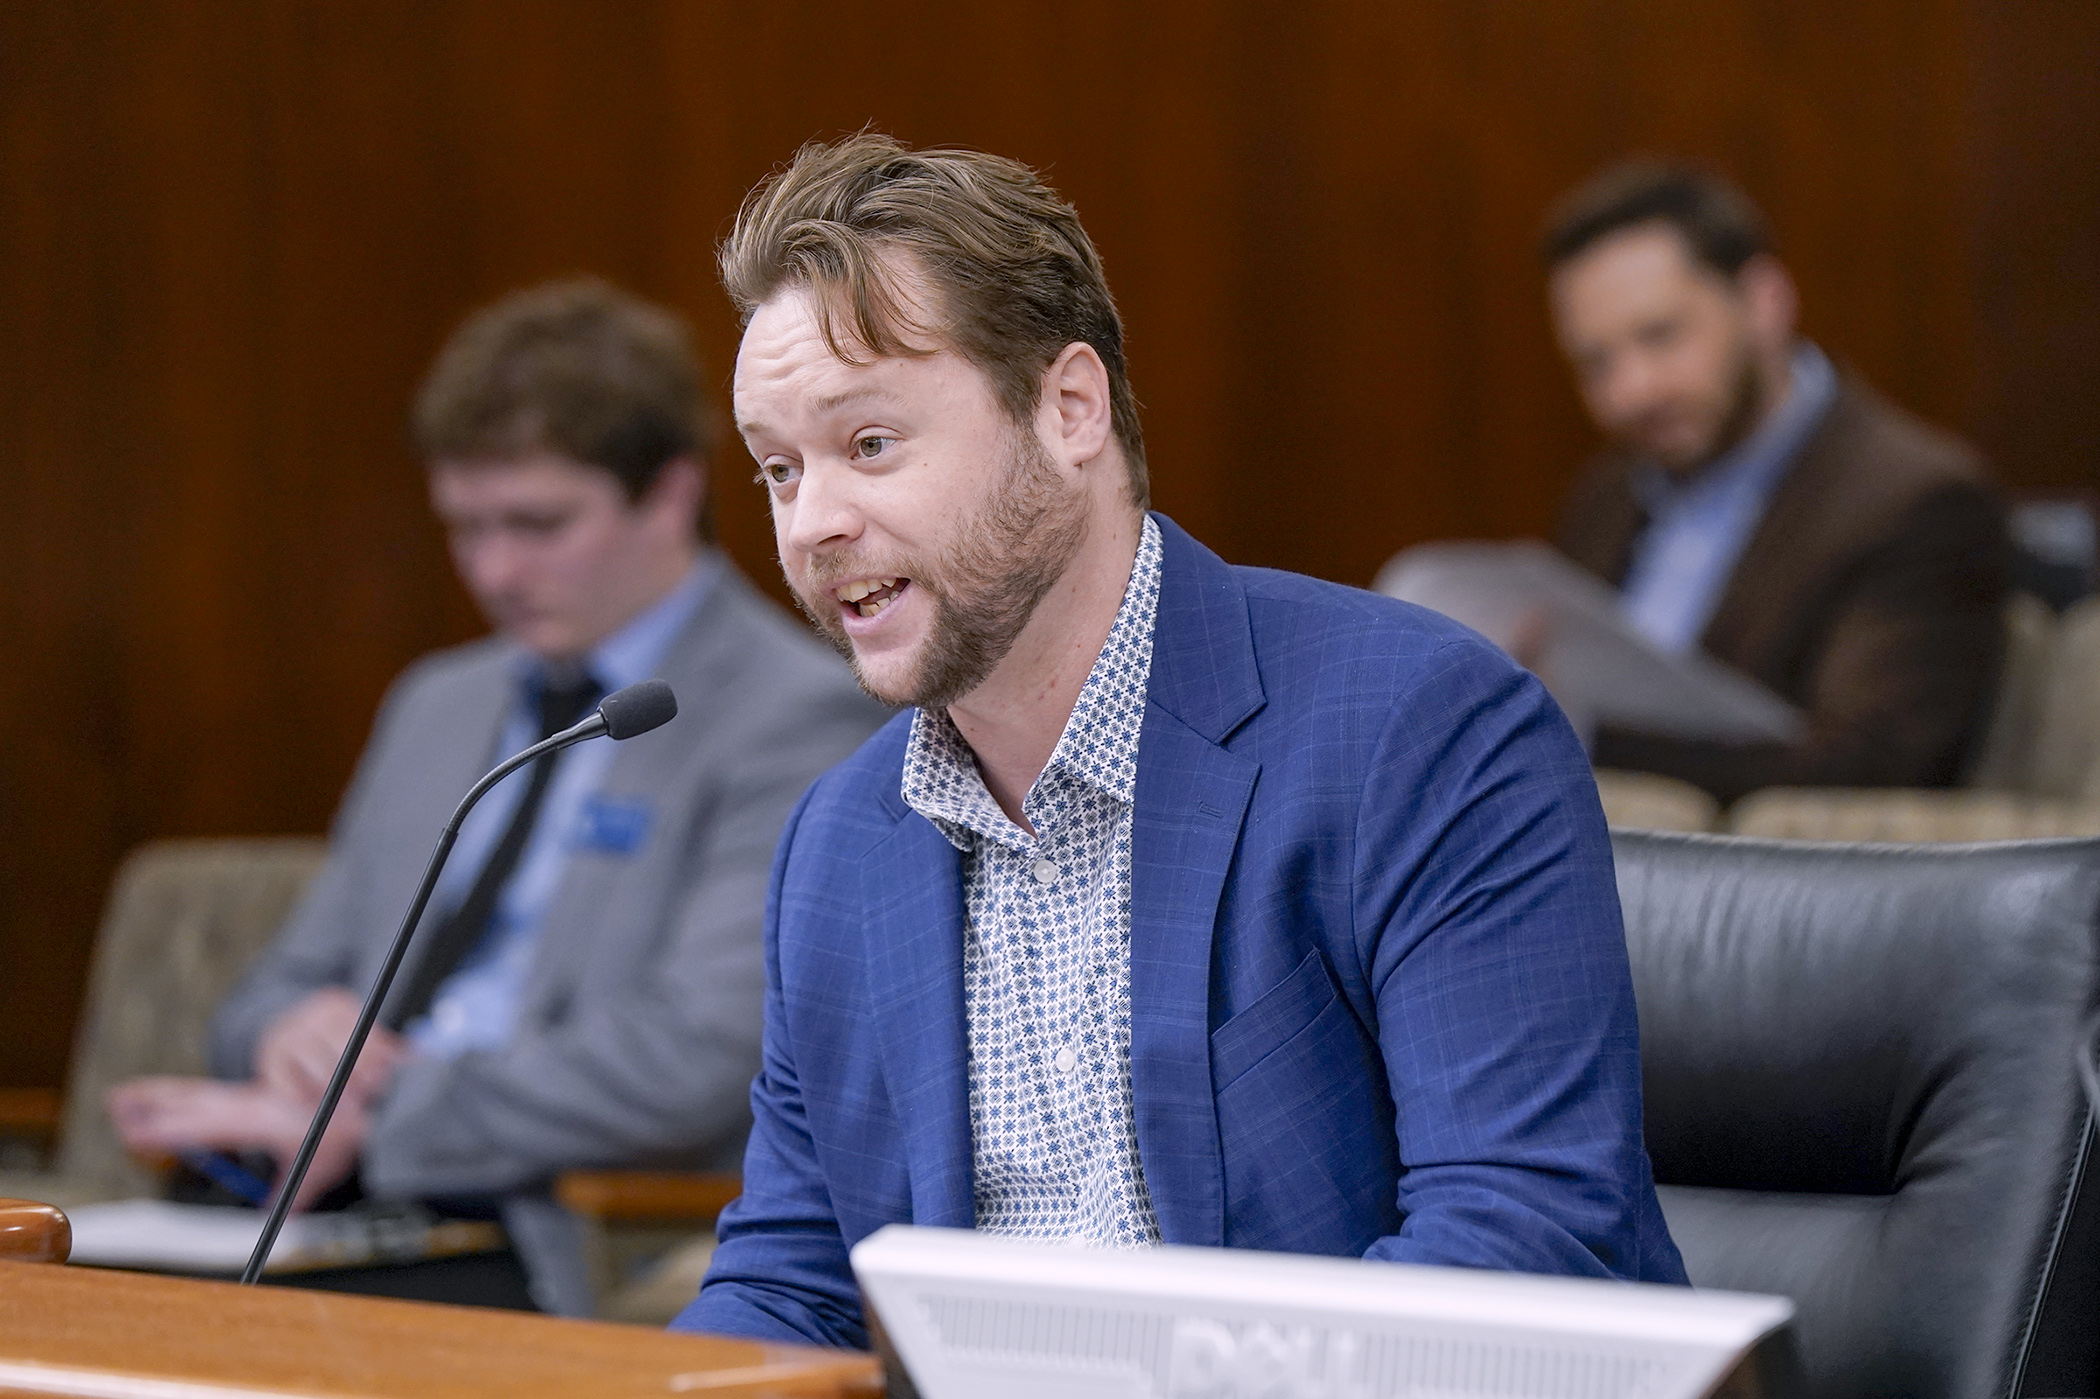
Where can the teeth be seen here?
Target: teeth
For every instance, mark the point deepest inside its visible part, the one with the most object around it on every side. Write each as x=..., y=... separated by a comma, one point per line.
x=869, y=609
x=861, y=587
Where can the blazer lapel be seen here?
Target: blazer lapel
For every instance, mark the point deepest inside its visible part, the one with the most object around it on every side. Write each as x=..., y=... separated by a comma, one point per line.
x=650, y=773
x=911, y=891
x=1192, y=797
x=1765, y=596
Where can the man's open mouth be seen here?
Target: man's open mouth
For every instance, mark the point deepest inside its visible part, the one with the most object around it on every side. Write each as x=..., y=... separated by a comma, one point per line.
x=869, y=596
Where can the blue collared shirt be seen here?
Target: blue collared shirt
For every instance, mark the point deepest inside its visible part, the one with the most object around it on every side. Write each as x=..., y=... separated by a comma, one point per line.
x=1697, y=529
x=477, y=1005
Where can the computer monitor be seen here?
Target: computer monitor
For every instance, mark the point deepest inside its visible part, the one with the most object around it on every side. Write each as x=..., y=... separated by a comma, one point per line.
x=970, y=1316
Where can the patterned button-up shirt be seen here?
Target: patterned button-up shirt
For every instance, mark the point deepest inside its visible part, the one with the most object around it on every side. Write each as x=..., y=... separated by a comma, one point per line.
x=1046, y=953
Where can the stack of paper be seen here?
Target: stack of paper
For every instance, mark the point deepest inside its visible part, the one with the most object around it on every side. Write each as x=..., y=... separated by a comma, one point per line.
x=168, y=1237
x=1601, y=670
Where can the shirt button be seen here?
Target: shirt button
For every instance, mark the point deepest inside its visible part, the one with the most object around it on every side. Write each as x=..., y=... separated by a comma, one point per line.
x=1067, y=1060
x=1044, y=872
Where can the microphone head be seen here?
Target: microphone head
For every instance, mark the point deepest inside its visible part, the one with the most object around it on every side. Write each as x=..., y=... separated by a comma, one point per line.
x=638, y=709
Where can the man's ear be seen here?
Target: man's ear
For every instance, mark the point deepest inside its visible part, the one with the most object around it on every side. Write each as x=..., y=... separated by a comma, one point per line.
x=1075, y=417
x=1769, y=296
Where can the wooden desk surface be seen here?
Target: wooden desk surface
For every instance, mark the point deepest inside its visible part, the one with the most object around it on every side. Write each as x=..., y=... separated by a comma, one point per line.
x=93, y=1334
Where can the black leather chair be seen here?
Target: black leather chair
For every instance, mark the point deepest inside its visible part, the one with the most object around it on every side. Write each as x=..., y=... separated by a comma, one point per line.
x=1863, y=1093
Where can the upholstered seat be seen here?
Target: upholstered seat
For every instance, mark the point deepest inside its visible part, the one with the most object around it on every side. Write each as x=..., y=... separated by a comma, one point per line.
x=1862, y=1093
x=1646, y=801
x=184, y=920
x=1907, y=815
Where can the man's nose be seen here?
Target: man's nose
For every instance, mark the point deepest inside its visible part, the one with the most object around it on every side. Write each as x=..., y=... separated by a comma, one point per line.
x=492, y=562
x=825, y=512
x=1633, y=388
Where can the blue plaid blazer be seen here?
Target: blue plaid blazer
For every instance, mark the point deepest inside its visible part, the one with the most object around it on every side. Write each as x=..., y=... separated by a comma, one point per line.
x=1379, y=995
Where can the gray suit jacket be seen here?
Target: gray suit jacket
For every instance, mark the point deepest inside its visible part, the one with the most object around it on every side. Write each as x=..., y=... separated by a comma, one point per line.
x=639, y=1030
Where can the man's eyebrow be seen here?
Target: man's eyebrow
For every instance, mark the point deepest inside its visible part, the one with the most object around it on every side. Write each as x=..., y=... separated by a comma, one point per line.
x=832, y=402
x=827, y=403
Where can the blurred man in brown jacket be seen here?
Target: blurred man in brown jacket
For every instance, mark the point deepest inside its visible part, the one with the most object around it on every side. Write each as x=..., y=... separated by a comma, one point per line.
x=1764, y=507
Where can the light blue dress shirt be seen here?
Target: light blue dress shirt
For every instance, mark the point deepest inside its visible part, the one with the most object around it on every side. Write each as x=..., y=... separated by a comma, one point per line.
x=476, y=1007
x=1697, y=529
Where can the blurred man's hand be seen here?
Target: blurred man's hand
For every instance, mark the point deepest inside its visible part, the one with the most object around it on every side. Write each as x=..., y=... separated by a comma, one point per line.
x=157, y=1116
x=296, y=1054
x=294, y=1059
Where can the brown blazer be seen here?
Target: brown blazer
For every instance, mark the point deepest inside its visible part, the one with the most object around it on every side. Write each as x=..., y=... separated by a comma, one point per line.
x=1870, y=595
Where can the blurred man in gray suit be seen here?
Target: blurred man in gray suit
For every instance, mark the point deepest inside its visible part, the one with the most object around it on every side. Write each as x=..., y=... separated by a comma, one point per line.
x=586, y=987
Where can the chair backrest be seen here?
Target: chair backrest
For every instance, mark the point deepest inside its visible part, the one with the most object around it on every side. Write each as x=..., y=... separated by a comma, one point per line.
x=184, y=920
x=2004, y=760
x=2067, y=745
x=2044, y=735
x=1862, y=1093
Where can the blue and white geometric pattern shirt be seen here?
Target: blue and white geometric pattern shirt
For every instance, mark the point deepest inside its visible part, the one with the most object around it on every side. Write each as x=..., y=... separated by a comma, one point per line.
x=1046, y=952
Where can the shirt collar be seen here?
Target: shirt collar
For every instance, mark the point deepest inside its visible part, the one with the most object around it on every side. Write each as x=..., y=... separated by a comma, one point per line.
x=1097, y=748
x=1758, y=461
x=634, y=652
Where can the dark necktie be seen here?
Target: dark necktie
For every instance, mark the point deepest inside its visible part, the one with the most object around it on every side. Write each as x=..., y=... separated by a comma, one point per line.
x=560, y=705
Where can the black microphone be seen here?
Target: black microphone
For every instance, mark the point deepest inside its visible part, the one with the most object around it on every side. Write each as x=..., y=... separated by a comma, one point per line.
x=620, y=715
x=634, y=710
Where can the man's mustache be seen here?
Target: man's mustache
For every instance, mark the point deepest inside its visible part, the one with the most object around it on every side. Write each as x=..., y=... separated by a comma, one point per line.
x=824, y=575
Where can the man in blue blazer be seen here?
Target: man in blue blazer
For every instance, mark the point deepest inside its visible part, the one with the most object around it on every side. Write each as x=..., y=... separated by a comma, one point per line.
x=1188, y=904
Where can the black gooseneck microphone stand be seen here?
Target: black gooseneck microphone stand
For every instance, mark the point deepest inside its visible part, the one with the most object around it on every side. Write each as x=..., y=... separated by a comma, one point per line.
x=631, y=711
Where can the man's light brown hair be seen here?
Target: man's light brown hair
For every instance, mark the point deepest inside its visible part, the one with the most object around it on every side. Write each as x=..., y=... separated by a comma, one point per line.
x=1720, y=226
x=577, y=368
x=1016, y=277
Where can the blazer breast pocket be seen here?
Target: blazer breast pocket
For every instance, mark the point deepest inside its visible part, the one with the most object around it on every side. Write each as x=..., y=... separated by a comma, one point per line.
x=1279, y=1015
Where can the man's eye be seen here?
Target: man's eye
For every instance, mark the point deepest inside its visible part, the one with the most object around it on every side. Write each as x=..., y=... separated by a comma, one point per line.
x=777, y=473
x=865, y=447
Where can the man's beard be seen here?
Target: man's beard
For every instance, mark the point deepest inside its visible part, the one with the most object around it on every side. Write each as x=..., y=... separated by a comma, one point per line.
x=984, y=585
x=1744, y=410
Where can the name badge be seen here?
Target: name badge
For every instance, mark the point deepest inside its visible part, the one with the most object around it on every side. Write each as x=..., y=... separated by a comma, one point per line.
x=611, y=827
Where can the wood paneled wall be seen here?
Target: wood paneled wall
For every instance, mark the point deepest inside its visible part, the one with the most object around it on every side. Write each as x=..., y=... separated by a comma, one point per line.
x=232, y=233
